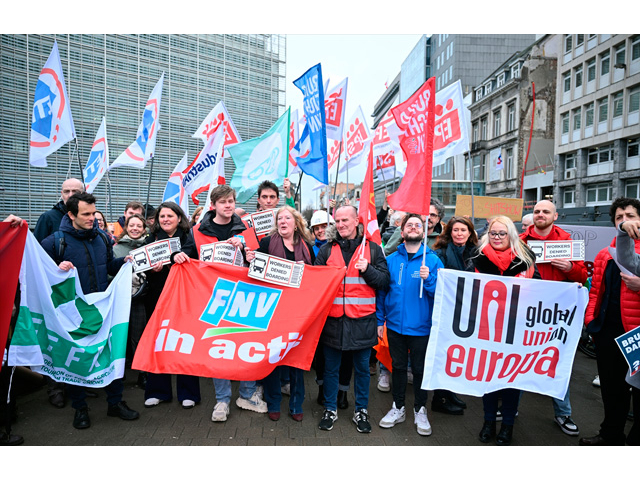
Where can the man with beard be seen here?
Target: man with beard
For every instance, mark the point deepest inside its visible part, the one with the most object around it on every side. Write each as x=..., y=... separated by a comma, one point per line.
x=408, y=319
x=543, y=229
x=434, y=227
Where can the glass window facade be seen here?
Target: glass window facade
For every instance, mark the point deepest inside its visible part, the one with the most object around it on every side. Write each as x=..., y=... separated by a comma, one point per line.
x=112, y=76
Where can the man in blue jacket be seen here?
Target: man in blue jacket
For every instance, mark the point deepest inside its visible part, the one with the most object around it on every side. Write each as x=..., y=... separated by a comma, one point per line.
x=81, y=245
x=408, y=319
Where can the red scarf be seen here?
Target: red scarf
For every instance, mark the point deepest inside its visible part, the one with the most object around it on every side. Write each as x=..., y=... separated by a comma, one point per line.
x=501, y=259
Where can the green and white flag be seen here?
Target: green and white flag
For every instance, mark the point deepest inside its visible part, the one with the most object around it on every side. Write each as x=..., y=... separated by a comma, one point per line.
x=63, y=333
x=259, y=159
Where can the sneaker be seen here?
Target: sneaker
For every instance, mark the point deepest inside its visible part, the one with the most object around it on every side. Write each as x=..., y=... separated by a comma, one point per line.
x=422, y=422
x=393, y=417
x=122, y=410
x=596, y=381
x=254, y=404
x=152, y=402
x=186, y=404
x=567, y=425
x=260, y=391
x=329, y=417
x=383, y=382
x=220, y=412
x=410, y=378
x=285, y=389
x=361, y=419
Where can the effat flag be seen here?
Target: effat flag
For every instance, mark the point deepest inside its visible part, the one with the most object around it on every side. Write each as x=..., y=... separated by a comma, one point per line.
x=218, y=115
x=98, y=162
x=206, y=168
x=335, y=102
x=416, y=118
x=144, y=147
x=262, y=158
x=51, y=123
x=174, y=191
x=450, y=130
x=333, y=152
x=356, y=140
x=367, y=214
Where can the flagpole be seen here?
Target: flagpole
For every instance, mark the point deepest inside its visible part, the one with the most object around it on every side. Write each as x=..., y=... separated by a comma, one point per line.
x=298, y=189
x=79, y=162
x=473, y=216
x=110, y=205
x=337, y=171
x=424, y=259
x=149, y=189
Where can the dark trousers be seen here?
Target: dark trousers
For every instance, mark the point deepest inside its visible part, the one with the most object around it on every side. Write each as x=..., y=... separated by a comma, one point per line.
x=510, y=399
x=272, y=389
x=78, y=394
x=401, y=348
x=616, y=392
x=159, y=386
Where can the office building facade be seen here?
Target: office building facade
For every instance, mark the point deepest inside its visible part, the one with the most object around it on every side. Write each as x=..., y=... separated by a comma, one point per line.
x=112, y=76
x=598, y=127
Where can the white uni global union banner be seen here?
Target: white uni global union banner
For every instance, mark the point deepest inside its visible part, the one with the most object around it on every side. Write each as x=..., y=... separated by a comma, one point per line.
x=491, y=332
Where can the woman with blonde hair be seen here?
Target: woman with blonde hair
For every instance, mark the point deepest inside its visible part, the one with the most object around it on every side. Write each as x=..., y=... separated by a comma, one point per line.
x=501, y=252
x=289, y=239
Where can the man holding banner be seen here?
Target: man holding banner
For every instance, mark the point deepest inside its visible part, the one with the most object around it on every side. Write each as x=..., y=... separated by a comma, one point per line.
x=78, y=247
x=560, y=270
x=222, y=224
x=352, y=323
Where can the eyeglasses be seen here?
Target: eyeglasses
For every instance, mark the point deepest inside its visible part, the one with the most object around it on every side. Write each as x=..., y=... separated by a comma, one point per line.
x=498, y=234
x=415, y=226
x=434, y=215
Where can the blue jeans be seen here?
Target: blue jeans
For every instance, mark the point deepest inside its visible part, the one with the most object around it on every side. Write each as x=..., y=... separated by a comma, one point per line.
x=562, y=408
x=361, y=381
x=273, y=393
x=223, y=389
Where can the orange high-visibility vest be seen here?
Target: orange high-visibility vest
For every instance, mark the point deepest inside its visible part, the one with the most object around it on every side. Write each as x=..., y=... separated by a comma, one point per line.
x=354, y=297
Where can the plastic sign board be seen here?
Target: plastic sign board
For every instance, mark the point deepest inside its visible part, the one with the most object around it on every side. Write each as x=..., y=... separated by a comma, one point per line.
x=144, y=258
x=276, y=270
x=221, y=252
x=572, y=250
x=486, y=207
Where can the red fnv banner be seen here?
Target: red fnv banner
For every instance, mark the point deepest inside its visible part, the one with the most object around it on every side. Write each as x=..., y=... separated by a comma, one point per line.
x=11, y=249
x=212, y=320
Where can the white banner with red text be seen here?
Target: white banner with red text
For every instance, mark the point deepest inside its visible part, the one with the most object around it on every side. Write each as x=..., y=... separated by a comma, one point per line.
x=491, y=332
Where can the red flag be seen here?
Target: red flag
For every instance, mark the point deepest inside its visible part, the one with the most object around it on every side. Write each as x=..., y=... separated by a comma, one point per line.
x=11, y=249
x=212, y=320
x=367, y=208
x=416, y=117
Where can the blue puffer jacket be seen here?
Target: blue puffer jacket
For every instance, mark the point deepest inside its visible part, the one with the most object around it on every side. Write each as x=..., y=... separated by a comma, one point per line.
x=401, y=306
x=90, y=255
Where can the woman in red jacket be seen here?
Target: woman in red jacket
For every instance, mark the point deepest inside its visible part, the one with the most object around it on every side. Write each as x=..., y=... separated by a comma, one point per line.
x=501, y=252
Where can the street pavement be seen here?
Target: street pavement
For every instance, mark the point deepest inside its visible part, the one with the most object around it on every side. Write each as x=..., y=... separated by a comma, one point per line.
x=42, y=424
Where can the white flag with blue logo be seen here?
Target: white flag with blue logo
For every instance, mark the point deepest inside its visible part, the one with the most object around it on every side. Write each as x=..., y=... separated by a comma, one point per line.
x=98, y=162
x=207, y=168
x=52, y=123
x=174, y=191
x=144, y=147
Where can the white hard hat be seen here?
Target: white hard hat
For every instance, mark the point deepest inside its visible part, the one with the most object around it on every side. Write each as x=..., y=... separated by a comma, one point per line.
x=319, y=217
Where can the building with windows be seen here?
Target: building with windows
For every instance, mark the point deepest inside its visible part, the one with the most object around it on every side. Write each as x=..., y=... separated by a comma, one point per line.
x=598, y=127
x=112, y=76
x=501, y=128
x=470, y=58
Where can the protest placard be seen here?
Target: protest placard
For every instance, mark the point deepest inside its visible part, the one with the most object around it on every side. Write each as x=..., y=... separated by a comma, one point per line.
x=145, y=257
x=486, y=207
x=221, y=252
x=276, y=270
x=546, y=251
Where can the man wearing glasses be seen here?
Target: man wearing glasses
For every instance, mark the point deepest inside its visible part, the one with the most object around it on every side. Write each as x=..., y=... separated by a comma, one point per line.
x=434, y=228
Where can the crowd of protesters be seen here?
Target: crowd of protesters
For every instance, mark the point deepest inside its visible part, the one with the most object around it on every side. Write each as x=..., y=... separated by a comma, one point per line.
x=387, y=293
